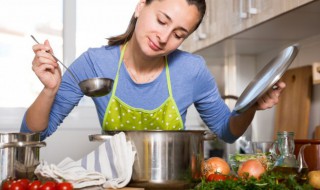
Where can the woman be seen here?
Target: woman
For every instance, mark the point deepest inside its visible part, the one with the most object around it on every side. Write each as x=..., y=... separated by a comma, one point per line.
x=154, y=83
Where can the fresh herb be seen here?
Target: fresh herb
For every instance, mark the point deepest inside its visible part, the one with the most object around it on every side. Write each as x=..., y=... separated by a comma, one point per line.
x=268, y=181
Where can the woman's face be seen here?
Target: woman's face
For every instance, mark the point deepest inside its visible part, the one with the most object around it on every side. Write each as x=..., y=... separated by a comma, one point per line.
x=163, y=25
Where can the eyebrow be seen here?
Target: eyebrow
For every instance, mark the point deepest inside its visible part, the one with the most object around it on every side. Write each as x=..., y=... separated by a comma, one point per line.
x=168, y=17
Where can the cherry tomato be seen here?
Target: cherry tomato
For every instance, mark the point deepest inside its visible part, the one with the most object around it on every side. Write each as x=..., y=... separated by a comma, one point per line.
x=35, y=185
x=49, y=185
x=216, y=177
x=17, y=186
x=64, y=186
x=232, y=178
x=6, y=185
x=24, y=182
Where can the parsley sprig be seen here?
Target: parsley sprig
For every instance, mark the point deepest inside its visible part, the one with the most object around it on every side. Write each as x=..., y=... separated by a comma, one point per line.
x=268, y=181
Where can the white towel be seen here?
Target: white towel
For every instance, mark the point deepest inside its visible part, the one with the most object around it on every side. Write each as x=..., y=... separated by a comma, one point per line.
x=110, y=165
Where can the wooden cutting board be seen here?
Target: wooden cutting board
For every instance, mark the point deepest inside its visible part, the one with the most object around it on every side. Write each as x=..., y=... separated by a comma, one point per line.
x=293, y=109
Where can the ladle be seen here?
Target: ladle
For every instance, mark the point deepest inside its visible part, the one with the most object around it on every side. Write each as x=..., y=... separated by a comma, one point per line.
x=93, y=87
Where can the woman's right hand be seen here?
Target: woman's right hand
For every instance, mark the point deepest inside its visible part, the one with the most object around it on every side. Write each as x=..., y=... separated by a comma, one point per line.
x=46, y=67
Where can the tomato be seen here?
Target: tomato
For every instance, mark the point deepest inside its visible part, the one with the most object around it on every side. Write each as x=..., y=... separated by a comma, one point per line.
x=216, y=177
x=17, y=186
x=233, y=178
x=64, y=186
x=35, y=185
x=24, y=182
x=49, y=185
x=6, y=185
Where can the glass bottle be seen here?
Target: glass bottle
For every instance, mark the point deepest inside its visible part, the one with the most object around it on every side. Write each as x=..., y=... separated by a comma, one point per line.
x=286, y=161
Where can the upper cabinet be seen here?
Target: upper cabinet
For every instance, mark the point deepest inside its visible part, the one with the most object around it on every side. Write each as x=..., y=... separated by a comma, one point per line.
x=227, y=18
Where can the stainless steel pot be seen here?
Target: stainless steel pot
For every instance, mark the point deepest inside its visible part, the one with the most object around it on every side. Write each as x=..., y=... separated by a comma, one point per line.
x=19, y=155
x=165, y=159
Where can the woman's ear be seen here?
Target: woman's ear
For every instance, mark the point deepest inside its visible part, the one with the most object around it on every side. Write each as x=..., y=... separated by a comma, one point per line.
x=139, y=7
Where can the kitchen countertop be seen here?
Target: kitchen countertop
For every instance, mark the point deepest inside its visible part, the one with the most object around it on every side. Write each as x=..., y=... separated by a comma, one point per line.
x=101, y=188
x=130, y=188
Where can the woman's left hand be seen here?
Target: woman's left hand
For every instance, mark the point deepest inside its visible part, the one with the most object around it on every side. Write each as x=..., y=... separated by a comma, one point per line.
x=271, y=97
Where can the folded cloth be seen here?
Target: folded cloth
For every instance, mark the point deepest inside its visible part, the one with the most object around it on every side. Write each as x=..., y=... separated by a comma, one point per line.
x=110, y=165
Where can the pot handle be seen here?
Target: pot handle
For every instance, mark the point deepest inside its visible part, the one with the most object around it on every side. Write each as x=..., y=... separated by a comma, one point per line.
x=22, y=144
x=99, y=137
x=208, y=136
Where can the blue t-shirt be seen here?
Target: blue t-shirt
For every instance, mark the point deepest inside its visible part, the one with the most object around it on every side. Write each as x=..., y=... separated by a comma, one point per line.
x=191, y=81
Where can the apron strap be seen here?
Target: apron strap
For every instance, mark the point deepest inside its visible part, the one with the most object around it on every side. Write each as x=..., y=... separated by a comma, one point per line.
x=168, y=77
x=119, y=65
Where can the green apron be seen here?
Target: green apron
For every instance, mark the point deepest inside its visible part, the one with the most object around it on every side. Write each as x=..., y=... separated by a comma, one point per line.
x=121, y=116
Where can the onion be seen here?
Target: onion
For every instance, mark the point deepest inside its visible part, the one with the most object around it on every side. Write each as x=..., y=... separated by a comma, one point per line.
x=214, y=165
x=251, y=168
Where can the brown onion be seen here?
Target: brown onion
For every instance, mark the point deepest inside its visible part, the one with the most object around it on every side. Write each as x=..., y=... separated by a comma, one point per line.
x=214, y=165
x=251, y=168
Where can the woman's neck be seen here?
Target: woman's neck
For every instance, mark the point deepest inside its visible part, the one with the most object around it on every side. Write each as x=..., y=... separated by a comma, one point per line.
x=141, y=68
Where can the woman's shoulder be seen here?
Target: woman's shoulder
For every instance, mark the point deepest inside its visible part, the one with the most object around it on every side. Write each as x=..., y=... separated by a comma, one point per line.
x=103, y=50
x=180, y=55
x=190, y=63
x=105, y=56
x=180, y=58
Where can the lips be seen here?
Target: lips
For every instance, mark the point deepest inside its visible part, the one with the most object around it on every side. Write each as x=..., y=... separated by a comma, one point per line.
x=153, y=46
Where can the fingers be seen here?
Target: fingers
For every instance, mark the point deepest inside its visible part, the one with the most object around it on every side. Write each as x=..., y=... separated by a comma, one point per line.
x=43, y=55
x=47, y=45
x=42, y=47
x=271, y=97
x=43, y=68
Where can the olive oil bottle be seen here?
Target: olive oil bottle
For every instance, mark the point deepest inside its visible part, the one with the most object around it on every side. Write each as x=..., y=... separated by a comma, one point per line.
x=301, y=176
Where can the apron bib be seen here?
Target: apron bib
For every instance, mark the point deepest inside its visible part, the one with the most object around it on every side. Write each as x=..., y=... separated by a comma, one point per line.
x=121, y=116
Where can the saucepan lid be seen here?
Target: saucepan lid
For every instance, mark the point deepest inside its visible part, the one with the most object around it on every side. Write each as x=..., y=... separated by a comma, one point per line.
x=266, y=78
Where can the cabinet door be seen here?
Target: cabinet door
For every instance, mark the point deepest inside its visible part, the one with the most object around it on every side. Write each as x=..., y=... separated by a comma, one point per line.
x=214, y=27
x=248, y=13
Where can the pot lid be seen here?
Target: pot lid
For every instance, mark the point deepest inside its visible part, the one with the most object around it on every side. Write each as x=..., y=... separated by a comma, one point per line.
x=266, y=78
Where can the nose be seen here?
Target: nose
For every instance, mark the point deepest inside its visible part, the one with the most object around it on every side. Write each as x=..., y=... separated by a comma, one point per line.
x=164, y=36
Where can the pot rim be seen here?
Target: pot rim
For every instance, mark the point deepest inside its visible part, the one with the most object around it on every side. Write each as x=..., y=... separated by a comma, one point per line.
x=22, y=144
x=162, y=131
x=8, y=137
x=19, y=133
x=207, y=134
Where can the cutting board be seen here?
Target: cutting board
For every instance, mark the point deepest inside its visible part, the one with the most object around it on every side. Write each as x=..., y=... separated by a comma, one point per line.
x=293, y=109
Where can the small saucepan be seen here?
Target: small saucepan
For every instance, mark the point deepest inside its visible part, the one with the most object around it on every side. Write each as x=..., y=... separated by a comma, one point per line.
x=19, y=155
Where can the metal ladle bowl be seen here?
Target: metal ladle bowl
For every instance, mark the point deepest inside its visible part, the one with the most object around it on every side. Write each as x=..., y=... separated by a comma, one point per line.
x=96, y=87
x=92, y=87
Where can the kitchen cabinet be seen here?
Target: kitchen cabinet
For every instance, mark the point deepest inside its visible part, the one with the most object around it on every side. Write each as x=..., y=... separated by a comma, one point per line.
x=227, y=18
x=248, y=13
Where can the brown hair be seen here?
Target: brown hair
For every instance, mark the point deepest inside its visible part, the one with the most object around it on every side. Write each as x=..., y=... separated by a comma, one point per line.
x=123, y=38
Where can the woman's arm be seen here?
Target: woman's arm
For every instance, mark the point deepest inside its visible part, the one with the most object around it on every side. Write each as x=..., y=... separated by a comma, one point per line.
x=239, y=123
x=48, y=71
x=37, y=116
